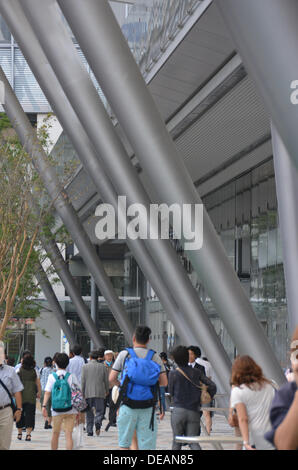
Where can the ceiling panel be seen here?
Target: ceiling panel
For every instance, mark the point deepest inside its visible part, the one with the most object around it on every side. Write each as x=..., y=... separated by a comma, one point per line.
x=205, y=49
x=234, y=123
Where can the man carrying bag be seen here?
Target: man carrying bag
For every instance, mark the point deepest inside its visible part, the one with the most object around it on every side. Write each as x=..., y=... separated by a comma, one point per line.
x=189, y=389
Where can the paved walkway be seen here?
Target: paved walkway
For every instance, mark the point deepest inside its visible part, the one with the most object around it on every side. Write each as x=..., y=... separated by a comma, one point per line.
x=41, y=438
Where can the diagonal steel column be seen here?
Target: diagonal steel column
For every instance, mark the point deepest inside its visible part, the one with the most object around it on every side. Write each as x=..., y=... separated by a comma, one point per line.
x=22, y=31
x=84, y=98
x=102, y=42
x=266, y=36
x=286, y=177
x=94, y=305
x=54, y=304
x=62, y=271
x=67, y=280
x=63, y=206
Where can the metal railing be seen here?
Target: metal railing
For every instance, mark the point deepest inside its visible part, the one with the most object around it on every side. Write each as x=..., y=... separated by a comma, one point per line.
x=152, y=25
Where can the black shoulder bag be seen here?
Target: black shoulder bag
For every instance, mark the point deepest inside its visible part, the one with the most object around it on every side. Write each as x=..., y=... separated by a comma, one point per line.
x=12, y=403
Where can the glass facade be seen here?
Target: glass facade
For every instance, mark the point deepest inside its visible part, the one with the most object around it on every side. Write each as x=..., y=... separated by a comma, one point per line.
x=22, y=79
x=244, y=213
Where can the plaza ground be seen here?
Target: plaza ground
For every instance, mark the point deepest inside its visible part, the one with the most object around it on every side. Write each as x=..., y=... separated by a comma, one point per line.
x=41, y=438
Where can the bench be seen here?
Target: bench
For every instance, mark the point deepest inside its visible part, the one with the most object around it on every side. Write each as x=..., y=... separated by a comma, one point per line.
x=215, y=440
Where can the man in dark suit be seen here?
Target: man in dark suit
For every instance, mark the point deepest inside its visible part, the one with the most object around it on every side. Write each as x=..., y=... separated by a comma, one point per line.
x=194, y=352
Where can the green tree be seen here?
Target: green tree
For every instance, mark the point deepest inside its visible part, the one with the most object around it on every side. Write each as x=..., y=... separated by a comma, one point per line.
x=18, y=229
x=21, y=226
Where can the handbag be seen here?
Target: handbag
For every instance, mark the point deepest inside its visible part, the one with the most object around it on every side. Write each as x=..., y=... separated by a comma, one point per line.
x=78, y=437
x=205, y=395
x=12, y=403
x=77, y=399
x=115, y=394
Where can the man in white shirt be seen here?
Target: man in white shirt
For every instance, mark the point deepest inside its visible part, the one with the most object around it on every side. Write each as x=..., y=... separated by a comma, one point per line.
x=11, y=386
x=195, y=360
x=76, y=363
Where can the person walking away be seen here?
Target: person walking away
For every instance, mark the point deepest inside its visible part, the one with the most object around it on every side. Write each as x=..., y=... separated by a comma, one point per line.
x=58, y=388
x=251, y=396
x=54, y=361
x=164, y=390
x=284, y=409
x=10, y=386
x=101, y=355
x=195, y=360
x=108, y=362
x=19, y=365
x=47, y=369
x=31, y=391
x=76, y=363
x=10, y=361
x=136, y=414
x=184, y=387
x=95, y=388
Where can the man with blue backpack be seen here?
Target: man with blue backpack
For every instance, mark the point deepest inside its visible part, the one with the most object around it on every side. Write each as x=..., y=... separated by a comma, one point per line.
x=142, y=372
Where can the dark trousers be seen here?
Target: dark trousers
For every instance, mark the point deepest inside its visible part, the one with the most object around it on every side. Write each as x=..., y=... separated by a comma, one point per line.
x=108, y=404
x=95, y=417
x=28, y=416
x=185, y=423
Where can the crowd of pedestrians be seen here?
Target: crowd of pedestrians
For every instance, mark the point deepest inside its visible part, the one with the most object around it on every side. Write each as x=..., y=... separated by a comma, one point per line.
x=129, y=389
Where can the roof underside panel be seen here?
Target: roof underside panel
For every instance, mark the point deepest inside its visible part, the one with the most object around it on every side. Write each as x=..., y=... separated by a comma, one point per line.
x=233, y=124
x=204, y=50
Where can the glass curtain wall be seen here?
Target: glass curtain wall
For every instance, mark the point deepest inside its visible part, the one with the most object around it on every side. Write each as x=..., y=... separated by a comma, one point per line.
x=245, y=216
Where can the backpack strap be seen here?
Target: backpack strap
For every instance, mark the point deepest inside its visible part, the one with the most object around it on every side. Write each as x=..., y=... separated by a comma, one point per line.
x=67, y=375
x=150, y=355
x=131, y=353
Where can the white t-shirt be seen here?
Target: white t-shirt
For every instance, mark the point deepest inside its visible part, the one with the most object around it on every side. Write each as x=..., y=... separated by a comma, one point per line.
x=257, y=403
x=208, y=367
x=49, y=386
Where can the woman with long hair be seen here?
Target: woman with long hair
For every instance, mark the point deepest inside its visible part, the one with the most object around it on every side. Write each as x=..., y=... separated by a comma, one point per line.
x=251, y=397
x=31, y=391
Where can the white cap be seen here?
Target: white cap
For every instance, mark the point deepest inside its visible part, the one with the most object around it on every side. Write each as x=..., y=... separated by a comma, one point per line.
x=108, y=351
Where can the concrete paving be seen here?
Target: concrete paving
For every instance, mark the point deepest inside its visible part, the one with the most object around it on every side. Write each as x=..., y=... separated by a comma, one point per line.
x=41, y=438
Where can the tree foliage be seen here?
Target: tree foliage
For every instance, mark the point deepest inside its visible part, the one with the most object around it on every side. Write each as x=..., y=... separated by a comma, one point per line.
x=22, y=225
x=18, y=229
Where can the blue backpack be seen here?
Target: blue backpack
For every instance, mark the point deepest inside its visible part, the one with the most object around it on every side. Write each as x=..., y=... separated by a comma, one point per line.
x=61, y=393
x=139, y=383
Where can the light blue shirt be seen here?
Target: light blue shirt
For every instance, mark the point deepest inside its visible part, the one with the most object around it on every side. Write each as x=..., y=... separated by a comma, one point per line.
x=12, y=381
x=75, y=366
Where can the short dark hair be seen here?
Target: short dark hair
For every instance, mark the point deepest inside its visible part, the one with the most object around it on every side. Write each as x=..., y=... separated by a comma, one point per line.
x=180, y=355
x=48, y=361
x=62, y=360
x=142, y=334
x=26, y=352
x=94, y=354
x=196, y=350
x=163, y=356
x=101, y=353
x=10, y=361
x=76, y=349
x=55, y=356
